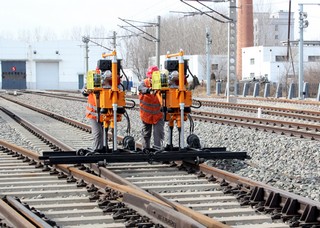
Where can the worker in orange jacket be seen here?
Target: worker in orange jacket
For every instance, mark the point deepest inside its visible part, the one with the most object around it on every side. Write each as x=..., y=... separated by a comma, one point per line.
x=150, y=112
x=96, y=126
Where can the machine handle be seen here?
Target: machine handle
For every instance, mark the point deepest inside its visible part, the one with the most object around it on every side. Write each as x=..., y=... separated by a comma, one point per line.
x=104, y=55
x=175, y=55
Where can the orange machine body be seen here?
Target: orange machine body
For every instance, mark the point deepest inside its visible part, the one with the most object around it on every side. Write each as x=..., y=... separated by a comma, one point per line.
x=173, y=97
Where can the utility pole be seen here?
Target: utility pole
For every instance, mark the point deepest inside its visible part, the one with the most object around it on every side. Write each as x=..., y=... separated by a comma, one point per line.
x=302, y=24
x=85, y=39
x=208, y=43
x=232, y=33
x=158, y=43
x=232, y=49
x=114, y=40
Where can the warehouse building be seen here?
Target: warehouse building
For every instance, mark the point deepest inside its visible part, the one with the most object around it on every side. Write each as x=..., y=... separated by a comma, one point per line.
x=45, y=65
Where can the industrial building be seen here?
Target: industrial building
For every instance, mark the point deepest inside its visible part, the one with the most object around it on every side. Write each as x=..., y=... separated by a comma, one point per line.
x=45, y=65
x=262, y=53
x=263, y=62
x=60, y=65
x=272, y=29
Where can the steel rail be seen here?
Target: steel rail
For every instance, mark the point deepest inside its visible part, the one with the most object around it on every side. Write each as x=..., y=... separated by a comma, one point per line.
x=273, y=129
x=45, y=135
x=73, y=172
x=27, y=213
x=205, y=220
x=312, y=209
x=53, y=115
x=266, y=121
x=103, y=183
x=298, y=125
x=270, y=109
x=12, y=216
x=303, y=102
x=291, y=204
x=290, y=132
x=64, y=119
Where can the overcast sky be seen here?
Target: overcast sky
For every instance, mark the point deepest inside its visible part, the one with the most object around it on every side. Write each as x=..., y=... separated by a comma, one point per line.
x=59, y=16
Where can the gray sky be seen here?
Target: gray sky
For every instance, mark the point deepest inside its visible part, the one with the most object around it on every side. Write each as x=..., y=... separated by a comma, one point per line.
x=60, y=16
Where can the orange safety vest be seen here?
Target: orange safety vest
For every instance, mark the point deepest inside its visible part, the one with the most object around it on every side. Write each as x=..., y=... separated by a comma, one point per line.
x=150, y=106
x=91, y=109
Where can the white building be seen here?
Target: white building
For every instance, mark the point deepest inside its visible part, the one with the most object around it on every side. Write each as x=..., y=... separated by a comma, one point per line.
x=271, y=62
x=198, y=64
x=272, y=29
x=45, y=65
x=61, y=65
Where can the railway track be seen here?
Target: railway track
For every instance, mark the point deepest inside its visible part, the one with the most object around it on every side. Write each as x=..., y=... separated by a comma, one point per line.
x=294, y=114
x=307, y=127
x=297, y=129
x=291, y=113
x=61, y=203
x=57, y=199
x=193, y=191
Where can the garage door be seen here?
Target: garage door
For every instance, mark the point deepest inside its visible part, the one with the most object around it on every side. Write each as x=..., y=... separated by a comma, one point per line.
x=14, y=75
x=47, y=75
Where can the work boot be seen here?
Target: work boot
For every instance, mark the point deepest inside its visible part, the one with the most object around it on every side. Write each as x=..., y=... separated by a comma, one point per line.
x=103, y=150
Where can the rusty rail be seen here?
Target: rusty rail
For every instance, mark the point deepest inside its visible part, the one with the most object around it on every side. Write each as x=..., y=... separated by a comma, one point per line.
x=13, y=217
x=103, y=183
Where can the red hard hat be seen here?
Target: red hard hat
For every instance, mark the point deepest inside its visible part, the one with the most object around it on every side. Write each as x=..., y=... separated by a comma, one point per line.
x=151, y=69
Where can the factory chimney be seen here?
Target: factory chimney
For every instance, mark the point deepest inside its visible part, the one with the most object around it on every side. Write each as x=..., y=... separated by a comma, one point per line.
x=245, y=31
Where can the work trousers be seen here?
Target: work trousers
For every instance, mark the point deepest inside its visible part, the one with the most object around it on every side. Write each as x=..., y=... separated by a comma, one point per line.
x=97, y=134
x=158, y=134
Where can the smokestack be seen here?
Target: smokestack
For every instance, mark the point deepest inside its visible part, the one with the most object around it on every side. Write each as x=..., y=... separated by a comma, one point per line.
x=245, y=31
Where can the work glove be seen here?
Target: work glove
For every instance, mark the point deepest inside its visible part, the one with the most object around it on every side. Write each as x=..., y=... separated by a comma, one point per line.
x=85, y=93
x=149, y=90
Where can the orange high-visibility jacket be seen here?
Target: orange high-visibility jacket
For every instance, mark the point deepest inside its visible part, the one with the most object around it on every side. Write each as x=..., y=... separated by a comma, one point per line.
x=91, y=109
x=150, y=106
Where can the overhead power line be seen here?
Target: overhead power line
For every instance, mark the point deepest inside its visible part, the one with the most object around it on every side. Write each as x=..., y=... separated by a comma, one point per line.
x=146, y=24
x=207, y=13
x=133, y=34
x=87, y=39
x=143, y=33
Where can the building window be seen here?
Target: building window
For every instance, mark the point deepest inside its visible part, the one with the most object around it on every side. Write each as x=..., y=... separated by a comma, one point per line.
x=314, y=58
x=276, y=28
x=252, y=61
x=281, y=58
x=276, y=37
x=251, y=75
x=214, y=66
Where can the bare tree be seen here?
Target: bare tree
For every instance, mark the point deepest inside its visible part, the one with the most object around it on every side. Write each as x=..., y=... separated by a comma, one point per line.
x=137, y=55
x=312, y=73
x=36, y=35
x=100, y=35
x=188, y=33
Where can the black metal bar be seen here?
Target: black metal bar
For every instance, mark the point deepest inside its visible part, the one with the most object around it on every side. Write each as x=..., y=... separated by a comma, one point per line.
x=47, y=154
x=142, y=157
